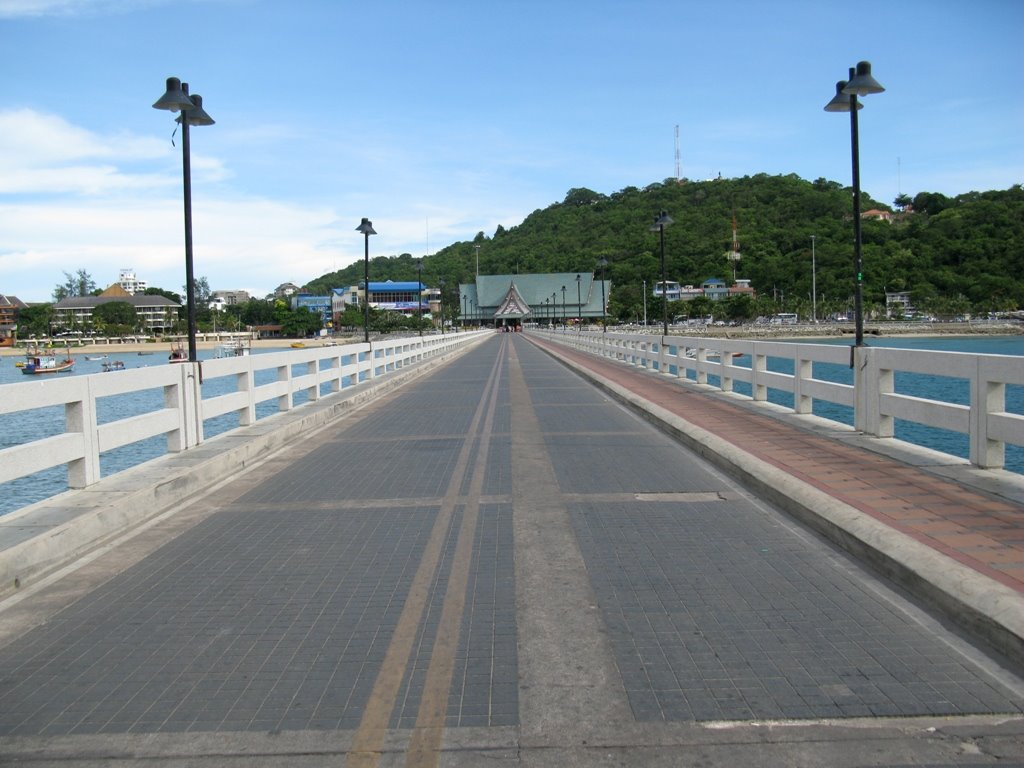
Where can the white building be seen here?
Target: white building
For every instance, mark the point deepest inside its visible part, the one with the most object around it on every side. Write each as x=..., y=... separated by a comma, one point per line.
x=130, y=283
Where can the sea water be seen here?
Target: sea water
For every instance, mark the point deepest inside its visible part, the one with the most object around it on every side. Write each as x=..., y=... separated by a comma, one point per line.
x=944, y=388
x=17, y=428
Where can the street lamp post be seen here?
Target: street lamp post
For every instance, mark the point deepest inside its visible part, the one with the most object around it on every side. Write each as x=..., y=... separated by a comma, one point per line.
x=660, y=222
x=563, y=307
x=465, y=309
x=861, y=83
x=440, y=304
x=579, y=305
x=419, y=295
x=366, y=227
x=814, y=283
x=177, y=99
x=602, y=263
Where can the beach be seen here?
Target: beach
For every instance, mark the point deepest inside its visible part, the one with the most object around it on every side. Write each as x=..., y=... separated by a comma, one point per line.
x=753, y=331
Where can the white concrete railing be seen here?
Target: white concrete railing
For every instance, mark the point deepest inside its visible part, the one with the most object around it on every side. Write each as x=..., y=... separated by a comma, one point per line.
x=872, y=396
x=184, y=409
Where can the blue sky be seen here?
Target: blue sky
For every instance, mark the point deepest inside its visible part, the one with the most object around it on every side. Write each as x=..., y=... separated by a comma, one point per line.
x=438, y=120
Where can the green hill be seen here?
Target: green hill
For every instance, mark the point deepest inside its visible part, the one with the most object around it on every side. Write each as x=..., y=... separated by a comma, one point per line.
x=953, y=254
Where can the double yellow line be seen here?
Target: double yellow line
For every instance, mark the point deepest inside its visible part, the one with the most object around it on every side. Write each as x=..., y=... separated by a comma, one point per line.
x=424, y=747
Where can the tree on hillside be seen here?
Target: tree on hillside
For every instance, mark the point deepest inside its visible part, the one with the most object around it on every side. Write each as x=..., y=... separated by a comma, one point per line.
x=943, y=248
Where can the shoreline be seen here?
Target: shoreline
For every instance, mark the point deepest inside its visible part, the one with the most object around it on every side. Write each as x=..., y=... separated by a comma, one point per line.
x=157, y=347
x=754, y=332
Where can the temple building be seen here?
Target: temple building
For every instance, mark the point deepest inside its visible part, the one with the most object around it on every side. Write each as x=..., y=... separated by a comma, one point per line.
x=543, y=299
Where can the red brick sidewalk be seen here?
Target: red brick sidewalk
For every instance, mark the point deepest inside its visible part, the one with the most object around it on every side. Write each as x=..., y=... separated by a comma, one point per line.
x=982, y=532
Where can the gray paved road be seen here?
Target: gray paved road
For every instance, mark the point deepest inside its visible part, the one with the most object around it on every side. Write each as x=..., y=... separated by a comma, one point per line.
x=495, y=560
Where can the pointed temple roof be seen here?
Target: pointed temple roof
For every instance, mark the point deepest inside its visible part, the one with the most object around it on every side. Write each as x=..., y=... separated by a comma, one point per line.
x=513, y=306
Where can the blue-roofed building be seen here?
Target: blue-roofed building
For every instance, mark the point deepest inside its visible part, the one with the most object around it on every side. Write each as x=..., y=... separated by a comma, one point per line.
x=319, y=305
x=715, y=289
x=397, y=296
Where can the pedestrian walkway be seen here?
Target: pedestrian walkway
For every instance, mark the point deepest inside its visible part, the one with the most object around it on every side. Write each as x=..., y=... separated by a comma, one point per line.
x=495, y=562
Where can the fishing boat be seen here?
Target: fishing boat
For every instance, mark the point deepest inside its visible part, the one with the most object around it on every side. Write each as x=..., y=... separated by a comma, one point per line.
x=39, y=364
x=113, y=365
x=178, y=354
x=232, y=349
x=96, y=357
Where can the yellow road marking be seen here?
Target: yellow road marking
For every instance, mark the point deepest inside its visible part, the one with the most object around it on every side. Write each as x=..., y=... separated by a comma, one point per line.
x=368, y=740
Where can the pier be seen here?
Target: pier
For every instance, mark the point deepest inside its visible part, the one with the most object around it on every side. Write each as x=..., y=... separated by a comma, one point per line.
x=520, y=553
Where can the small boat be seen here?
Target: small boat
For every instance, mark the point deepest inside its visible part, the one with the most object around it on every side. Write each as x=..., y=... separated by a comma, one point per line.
x=96, y=357
x=144, y=353
x=20, y=364
x=178, y=354
x=113, y=365
x=298, y=345
x=39, y=364
x=232, y=349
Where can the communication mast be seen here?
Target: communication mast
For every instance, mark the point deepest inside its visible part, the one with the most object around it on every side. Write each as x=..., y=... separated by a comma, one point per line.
x=678, y=167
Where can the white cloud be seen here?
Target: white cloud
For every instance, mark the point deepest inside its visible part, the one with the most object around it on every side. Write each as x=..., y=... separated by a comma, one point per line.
x=45, y=154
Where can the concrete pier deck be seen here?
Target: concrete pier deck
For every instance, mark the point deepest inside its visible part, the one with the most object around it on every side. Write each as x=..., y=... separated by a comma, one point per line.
x=512, y=561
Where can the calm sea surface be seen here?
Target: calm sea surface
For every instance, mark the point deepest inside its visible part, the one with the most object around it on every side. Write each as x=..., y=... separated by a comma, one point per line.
x=20, y=427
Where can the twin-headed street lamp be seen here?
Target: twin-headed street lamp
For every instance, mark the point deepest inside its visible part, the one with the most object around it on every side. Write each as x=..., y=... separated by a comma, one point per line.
x=602, y=263
x=861, y=83
x=660, y=222
x=177, y=99
x=579, y=305
x=366, y=227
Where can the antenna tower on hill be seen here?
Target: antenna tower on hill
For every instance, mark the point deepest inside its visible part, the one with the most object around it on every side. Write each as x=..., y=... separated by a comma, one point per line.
x=678, y=168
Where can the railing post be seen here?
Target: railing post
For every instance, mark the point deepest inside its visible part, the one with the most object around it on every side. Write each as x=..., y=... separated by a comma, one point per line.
x=725, y=361
x=285, y=401
x=758, y=366
x=871, y=382
x=987, y=397
x=80, y=418
x=700, y=358
x=802, y=372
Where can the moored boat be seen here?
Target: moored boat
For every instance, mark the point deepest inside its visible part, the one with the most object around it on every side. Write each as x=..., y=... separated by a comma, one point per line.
x=113, y=365
x=232, y=349
x=178, y=354
x=38, y=364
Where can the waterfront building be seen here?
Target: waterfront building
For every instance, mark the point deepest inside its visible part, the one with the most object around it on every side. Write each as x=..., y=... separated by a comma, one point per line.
x=670, y=289
x=715, y=289
x=154, y=313
x=318, y=305
x=897, y=303
x=539, y=298
x=9, y=308
x=742, y=287
x=397, y=296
